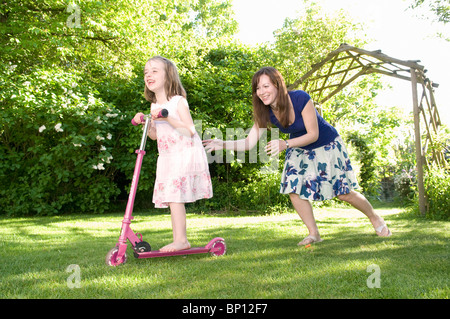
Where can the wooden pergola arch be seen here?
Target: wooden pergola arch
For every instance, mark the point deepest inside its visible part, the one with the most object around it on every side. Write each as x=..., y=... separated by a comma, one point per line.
x=344, y=65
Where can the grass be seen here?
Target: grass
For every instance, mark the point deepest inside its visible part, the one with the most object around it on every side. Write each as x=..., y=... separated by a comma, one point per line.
x=262, y=259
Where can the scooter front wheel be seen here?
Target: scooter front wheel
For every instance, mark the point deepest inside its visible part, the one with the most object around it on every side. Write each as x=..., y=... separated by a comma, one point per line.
x=111, y=257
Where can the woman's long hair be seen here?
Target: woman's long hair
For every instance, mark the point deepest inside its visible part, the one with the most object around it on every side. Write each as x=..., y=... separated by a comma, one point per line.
x=173, y=84
x=261, y=113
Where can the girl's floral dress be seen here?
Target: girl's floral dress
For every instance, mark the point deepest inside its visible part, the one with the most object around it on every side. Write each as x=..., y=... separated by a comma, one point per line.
x=182, y=173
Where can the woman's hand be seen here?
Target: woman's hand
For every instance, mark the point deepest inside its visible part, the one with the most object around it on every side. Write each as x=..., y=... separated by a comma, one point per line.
x=213, y=145
x=275, y=146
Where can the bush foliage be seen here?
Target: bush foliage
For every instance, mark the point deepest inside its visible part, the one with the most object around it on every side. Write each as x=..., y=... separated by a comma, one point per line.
x=437, y=189
x=57, y=144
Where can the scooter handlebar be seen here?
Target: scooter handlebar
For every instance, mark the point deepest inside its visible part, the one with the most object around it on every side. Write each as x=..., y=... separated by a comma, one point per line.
x=164, y=113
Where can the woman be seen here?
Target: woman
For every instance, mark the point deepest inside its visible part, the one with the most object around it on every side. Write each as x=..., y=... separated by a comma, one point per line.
x=317, y=165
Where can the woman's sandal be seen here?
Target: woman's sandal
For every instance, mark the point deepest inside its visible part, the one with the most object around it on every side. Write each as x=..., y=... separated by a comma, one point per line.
x=379, y=230
x=309, y=240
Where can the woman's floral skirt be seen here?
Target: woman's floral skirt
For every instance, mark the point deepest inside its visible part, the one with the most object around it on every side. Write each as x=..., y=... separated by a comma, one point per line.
x=318, y=174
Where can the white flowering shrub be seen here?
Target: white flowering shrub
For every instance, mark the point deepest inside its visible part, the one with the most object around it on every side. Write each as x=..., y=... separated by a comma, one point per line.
x=56, y=144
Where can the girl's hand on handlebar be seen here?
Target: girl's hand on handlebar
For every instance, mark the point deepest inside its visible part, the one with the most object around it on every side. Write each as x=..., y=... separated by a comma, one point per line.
x=137, y=118
x=155, y=115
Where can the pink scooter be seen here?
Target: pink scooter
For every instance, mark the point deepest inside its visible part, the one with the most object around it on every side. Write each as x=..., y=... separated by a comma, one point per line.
x=117, y=255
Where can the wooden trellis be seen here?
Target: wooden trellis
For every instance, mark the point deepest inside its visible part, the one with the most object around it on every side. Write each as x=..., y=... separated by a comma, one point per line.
x=344, y=65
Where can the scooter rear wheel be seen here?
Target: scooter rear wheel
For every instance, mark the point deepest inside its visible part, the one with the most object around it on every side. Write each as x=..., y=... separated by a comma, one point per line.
x=220, y=244
x=141, y=247
x=111, y=257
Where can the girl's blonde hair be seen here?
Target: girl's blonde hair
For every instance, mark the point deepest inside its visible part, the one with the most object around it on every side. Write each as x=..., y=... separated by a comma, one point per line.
x=260, y=111
x=173, y=84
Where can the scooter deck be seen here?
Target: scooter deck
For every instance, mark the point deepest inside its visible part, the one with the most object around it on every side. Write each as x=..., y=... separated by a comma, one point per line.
x=209, y=248
x=158, y=253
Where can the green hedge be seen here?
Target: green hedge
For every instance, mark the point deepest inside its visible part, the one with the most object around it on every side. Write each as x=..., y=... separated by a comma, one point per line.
x=58, y=143
x=437, y=189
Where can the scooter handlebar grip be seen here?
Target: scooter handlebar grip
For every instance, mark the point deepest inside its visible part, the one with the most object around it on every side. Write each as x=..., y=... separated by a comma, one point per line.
x=164, y=113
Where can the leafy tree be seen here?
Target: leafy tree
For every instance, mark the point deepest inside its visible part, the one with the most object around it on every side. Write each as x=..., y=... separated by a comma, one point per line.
x=306, y=40
x=110, y=37
x=213, y=18
x=440, y=8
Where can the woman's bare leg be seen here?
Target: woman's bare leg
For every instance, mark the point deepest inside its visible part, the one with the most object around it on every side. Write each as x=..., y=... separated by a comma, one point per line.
x=304, y=210
x=361, y=203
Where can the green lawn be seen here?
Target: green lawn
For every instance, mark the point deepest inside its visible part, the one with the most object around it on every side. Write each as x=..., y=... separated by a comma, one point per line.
x=262, y=259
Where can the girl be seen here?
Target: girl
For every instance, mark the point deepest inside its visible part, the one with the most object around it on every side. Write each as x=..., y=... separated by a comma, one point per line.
x=182, y=173
x=317, y=166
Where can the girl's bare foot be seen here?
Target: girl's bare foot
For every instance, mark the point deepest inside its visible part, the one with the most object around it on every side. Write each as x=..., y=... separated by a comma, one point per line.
x=176, y=246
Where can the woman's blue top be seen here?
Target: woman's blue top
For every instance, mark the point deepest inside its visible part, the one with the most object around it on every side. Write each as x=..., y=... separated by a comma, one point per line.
x=327, y=133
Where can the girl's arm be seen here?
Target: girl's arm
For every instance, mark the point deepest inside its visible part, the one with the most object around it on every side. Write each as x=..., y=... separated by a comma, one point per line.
x=312, y=133
x=185, y=125
x=152, y=130
x=239, y=145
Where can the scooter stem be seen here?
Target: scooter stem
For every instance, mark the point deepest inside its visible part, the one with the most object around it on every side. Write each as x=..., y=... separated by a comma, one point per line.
x=137, y=171
x=126, y=232
x=144, y=135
